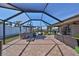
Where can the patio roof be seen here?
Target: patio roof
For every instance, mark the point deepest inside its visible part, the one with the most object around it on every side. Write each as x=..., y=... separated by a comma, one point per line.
x=50, y=13
x=71, y=20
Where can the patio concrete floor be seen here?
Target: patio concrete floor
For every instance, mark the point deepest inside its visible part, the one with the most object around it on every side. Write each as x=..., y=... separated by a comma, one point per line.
x=40, y=47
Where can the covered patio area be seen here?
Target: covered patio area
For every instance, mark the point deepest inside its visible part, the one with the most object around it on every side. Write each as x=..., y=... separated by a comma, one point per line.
x=28, y=29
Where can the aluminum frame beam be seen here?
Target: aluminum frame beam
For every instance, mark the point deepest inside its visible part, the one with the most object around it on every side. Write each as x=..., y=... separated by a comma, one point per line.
x=40, y=20
x=3, y=32
x=46, y=22
x=52, y=16
x=15, y=6
x=25, y=22
x=35, y=20
x=27, y=15
x=9, y=8
x=13, y=16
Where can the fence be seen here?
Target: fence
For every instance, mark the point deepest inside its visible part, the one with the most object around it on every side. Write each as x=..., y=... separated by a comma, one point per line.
x=9, y=31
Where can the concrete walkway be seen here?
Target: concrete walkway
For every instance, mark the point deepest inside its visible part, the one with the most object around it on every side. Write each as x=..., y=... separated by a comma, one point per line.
x=40, y=47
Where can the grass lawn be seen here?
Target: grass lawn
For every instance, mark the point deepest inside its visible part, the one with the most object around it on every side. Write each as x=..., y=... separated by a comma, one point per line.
x=77, y=38
x=11, y=38
x=77, y=49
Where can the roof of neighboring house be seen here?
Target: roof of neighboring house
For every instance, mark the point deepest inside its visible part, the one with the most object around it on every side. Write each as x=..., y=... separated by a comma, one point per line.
x=68, y=21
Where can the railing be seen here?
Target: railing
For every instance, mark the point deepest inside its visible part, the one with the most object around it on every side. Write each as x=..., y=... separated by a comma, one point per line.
x=67, y=39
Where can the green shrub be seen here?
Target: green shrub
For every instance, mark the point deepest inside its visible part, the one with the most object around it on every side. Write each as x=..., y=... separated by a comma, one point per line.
x=77, y=49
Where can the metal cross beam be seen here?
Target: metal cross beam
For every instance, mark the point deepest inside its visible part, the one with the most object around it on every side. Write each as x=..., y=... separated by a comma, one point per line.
x=23, y=10
x=9, y=8
x=35, y=20
x=3, y=32
x=13, y=16
x=44, y=10
x=15, y=6
x=29, y=21
x=25, y=22
x=27, y=15
x=40, y=20
x=52, y=16
x=46, y=22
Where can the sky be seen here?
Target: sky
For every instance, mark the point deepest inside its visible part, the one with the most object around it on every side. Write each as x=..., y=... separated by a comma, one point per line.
x=61, y=11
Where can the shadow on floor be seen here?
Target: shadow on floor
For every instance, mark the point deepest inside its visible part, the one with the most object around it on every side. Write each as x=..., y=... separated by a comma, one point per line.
x=24, y=49
x=38, y=37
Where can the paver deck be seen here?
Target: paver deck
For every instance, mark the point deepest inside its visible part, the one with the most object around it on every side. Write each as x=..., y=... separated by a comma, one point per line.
x=42, y=47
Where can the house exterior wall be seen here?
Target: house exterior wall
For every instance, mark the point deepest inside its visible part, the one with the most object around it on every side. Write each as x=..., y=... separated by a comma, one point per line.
x=61, y=29
x=68, y=39
x=74, y=29
x=73, y=25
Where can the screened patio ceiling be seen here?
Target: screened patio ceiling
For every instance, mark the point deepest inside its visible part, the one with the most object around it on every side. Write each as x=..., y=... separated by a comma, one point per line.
x=37, y=13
